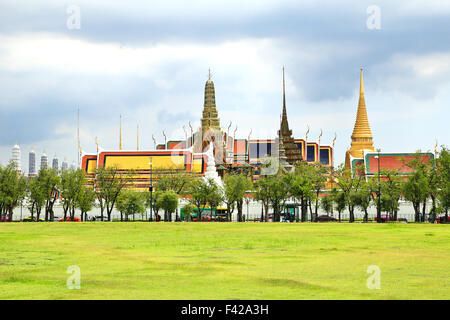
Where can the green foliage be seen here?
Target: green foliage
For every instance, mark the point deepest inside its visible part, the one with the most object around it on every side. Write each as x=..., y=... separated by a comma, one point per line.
x=235, y=188
x=130, y=202
x=279, y=186
x=327, y=204
x=340, y=200
x=168, y=201
x=188, y=210
x=13, y=188
x=203, y=192
x=362, y=198
x=416, y=189
x=302, y=188
x=262, y=193
x=85, y=200
x=349, y=186
x=36, y=197
x=173, y=180
x=71, y=184
x=49, y=181
x=109, y=182
x=443, y=167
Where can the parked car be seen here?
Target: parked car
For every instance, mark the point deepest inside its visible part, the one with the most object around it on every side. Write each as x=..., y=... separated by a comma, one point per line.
x=325, y=218
x=75, y=219
x=385, y=218
x=28, y=219
x=204, y=218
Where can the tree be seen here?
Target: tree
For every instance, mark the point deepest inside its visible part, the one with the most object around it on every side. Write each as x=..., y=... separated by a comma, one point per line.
x=85, y=201
x=391, y=189
x=348, y=184
x=362, y=198
x=215, y=197
x=443, y=173
x=302, y=187
x=417, y=187
x=173, y=180
x=318, y=179
x=279, y=192
x=200, y=191
x=49, y=182
x=36, y=198
x=235, y=188
x=188, y=209
x=262, y=193
x=168, y=201
x=13, y=188
x=109, y=182
x=130, y=202
x=72, y=182
x=326, y=203
x=340, y=200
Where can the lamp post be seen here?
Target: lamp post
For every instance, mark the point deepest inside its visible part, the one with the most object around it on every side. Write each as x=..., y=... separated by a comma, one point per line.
x=379, y=189
x=151, y=188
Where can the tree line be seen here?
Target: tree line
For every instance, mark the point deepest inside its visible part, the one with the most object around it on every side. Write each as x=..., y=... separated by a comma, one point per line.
x=428, y=181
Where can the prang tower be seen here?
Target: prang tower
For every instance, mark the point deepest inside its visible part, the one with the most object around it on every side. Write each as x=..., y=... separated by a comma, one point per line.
x=291, y=150
x=210, y=117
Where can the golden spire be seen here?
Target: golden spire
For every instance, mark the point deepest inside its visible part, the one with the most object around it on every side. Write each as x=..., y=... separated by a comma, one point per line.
x=96, y=143
x=120, y=134
x=362, y=135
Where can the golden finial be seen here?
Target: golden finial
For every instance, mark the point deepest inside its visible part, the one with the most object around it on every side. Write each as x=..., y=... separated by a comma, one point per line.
x=435, y=148
x=320, y=136
x=249, y=135
x=96, y=142
x=137, y=137
x=165, y=140
x=307, y=131
x=234, y=133
x=334, y=140
x=361, y=86
x=209, y=73
x=120, y=134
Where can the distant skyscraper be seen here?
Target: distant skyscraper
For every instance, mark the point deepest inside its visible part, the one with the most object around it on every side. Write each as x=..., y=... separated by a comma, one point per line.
x=16, y=157
x=55, y=163
x=44, y=161
x=32, y=162
x=64, y=165
x=73, y=166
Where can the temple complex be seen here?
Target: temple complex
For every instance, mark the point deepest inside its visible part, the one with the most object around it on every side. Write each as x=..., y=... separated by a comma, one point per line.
x=230, y=153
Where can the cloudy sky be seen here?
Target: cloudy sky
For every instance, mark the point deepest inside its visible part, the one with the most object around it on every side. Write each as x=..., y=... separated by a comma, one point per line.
x=149, y=60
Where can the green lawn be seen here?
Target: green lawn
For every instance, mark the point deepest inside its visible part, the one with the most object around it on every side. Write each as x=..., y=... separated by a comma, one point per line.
x=224, y=260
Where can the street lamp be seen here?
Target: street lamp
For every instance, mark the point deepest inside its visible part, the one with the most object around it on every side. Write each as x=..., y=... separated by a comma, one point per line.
x=151, y=188
x=379, y=189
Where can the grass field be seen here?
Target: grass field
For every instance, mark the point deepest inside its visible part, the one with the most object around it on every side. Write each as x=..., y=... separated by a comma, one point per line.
x=224, y=260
